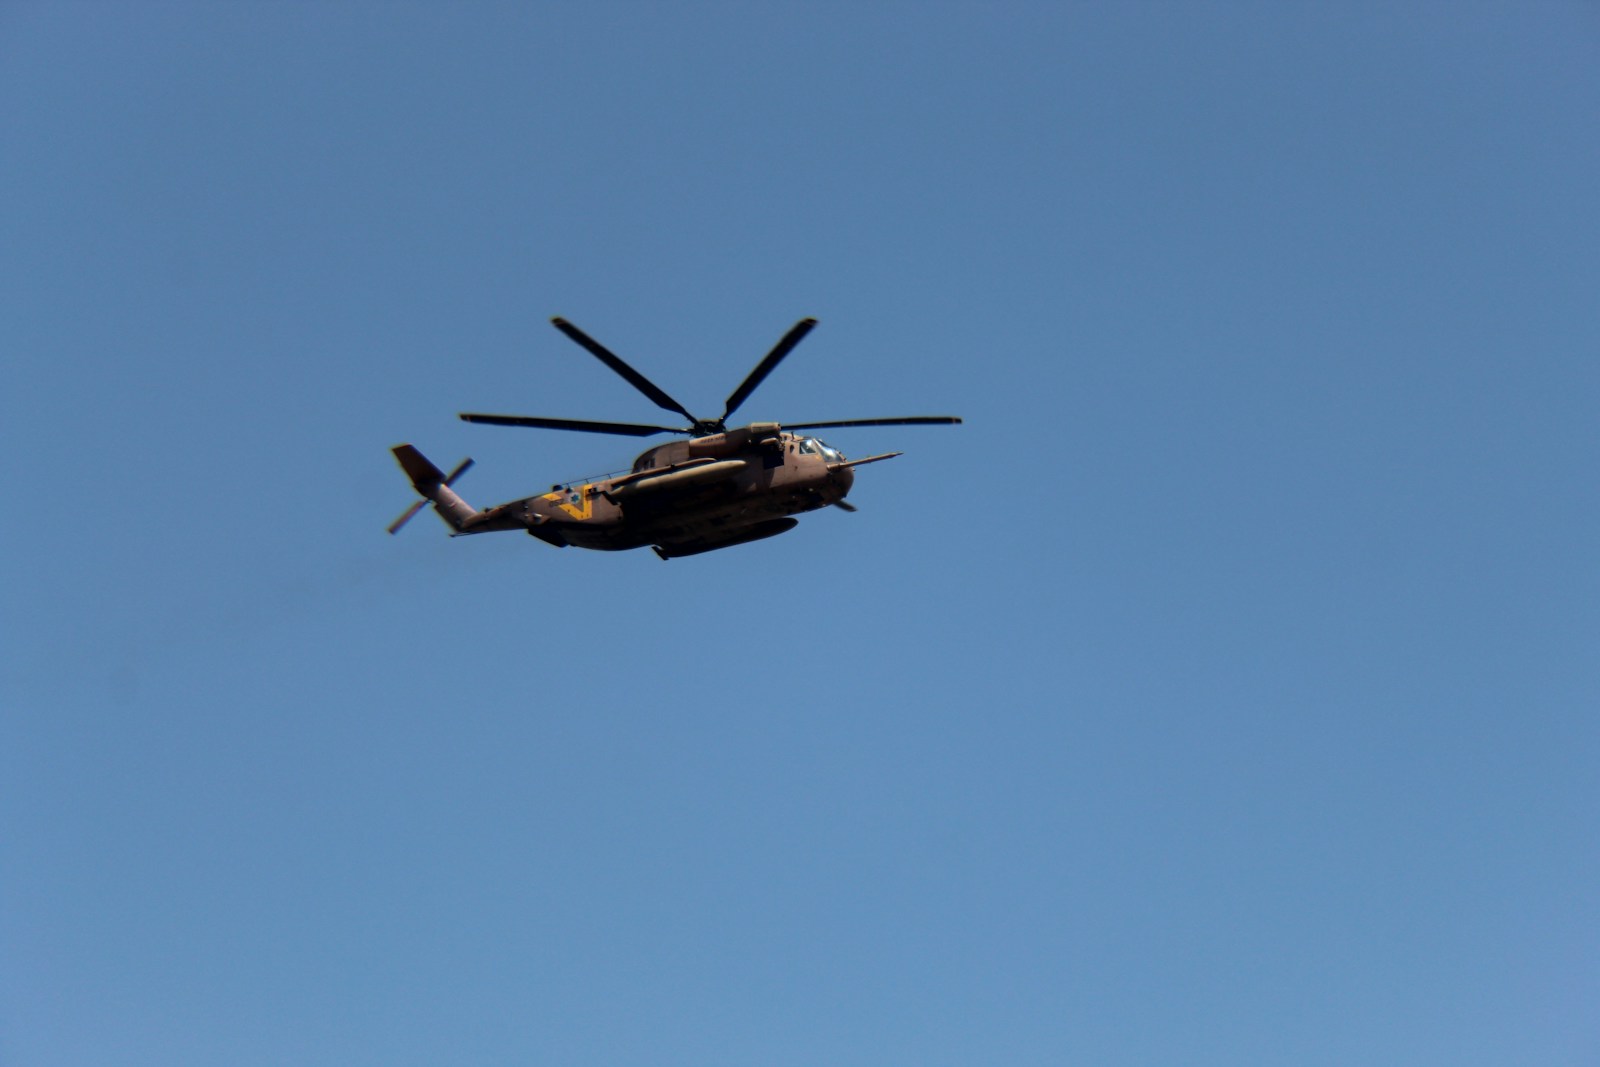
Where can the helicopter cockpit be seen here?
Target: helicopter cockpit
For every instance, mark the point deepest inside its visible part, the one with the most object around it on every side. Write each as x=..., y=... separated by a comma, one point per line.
x=811, y=446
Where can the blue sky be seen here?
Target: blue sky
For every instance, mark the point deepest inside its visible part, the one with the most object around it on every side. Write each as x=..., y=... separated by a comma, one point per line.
x=1222, y=692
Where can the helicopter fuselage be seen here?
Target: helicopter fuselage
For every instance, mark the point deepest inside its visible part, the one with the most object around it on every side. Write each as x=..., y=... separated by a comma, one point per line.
x=686, y=497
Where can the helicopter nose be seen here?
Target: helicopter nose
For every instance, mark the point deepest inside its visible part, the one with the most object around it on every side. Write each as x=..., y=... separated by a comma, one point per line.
x=843, y=479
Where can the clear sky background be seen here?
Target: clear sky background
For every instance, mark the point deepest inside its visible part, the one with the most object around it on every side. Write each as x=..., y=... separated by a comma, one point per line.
x=1223, y=692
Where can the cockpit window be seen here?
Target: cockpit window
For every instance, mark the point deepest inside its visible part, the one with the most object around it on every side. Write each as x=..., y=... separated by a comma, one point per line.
x=810, y=446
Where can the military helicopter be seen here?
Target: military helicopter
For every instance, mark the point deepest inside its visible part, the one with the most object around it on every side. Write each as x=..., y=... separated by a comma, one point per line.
x=718, y=488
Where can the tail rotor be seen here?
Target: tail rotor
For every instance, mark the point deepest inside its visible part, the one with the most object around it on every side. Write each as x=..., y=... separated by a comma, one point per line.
x=425, y=479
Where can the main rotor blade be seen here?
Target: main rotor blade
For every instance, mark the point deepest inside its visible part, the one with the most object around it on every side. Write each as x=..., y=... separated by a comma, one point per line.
x=631, y=376
x=796, y=334
x=625, y=429
x=912, y=420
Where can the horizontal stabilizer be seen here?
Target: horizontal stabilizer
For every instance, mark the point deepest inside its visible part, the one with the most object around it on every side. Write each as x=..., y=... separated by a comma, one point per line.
x=417, y=466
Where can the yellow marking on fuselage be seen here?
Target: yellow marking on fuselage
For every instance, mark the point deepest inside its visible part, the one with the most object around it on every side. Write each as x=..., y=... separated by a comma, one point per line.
x=575, y=502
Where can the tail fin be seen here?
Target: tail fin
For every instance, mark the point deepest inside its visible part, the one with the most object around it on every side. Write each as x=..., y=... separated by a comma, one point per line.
x=434, y=485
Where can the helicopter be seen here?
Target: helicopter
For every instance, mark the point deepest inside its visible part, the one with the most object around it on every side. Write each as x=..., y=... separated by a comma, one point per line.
x=718, y=488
